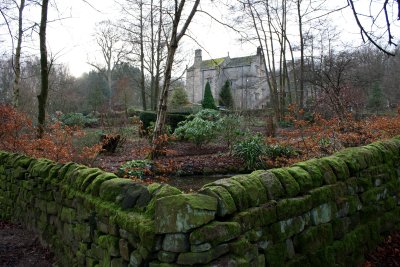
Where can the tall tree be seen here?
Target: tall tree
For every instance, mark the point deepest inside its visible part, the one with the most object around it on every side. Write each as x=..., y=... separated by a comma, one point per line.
x=225, y=96
x=44, y=70
x=173, y=43
x=208, y=99
x=113, y=52
x=17, y=56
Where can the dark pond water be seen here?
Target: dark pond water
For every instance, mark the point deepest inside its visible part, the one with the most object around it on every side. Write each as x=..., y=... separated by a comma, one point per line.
x=188, y=183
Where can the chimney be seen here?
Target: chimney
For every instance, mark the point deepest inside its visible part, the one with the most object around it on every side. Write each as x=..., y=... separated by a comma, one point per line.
x=259, y=51
x=197, y=58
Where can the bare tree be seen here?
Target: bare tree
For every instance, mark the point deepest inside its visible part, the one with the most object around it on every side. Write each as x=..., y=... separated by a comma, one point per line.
x=113, y=52
x=381, y=16
x=17, y=56
x=44, y=70
x=175, y=37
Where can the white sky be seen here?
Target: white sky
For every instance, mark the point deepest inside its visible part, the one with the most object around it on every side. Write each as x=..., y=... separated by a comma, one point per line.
x=72, y=38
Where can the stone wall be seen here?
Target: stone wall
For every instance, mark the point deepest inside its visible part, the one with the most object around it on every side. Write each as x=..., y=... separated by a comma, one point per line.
x=327, y=211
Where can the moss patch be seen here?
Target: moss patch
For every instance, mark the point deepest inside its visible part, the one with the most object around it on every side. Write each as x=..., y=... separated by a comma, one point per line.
x=290, y=185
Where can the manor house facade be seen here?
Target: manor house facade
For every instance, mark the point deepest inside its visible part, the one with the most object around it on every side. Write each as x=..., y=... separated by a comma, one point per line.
x=246, y=74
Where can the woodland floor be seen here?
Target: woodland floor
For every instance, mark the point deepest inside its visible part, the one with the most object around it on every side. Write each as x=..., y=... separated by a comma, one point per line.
x=182, y=159
x=21, y=248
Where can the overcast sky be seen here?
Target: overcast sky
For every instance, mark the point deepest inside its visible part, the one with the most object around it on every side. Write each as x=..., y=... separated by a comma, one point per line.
x=71, y=38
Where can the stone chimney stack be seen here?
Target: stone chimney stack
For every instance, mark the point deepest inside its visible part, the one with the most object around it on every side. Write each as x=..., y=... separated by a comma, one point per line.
x=197, y=58
x=259, y=51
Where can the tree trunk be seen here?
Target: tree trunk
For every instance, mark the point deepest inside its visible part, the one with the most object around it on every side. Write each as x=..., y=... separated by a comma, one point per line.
x=17, y=58
x=44, y=70
x=172, y=47
x=301, y=85
x=142, y=78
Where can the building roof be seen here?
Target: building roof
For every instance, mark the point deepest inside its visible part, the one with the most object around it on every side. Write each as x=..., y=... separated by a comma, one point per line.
x=230, y=62
x=212, y=63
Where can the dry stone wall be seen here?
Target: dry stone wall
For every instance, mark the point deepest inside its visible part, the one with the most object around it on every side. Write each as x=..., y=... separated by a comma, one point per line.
x=327, y=211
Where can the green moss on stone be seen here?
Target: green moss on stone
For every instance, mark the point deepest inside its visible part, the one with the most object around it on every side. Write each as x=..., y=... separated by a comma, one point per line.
x=287, y=228
x=338, y=166
x=94, y=187
x=290, y=185
x=373, y=195
x=323, y=213
x=313, y=238
x=302, y=177
x=276, y=255
x=109, y=243
x=160, y=192
x=239, y=194
x=252, y=184
x=215, y=233
x=271, y=184
x=257, y=216
x=226, y=204
x=354, y=158
x=240, y=246
x=322, y=195
x=193, y=258
x=181, y=213
x=292, y=207
x=111, y=189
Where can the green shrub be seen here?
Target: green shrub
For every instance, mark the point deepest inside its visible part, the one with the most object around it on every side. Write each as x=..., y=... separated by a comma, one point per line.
x=173, y=119
x=230, y=129
x=78, y=119
x=250, y=150
x=200, y=128
x=208, y=100
x=275, y=151
x=285, y=124
x=179, y=98
x=135, y=168
x=147, y=117
x=225, y=96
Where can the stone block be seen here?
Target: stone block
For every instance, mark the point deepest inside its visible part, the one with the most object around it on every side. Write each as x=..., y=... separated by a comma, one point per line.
x=291, y=207
x=166, y=256
x=338, y=166
x=256, y=217
x=226, y=204
x=313, y=238
x=271, y=184
x=302, y=177
x=193, y=258
x=94, y=187
x=285, y=229
x=124, y=249
x=118, y=262
x=181, y=213
x=323, y=213
x=239, y=194
x=290, y=185
x=215, y=233
x=252, y=184
x=135, y=258
x=176, y=243
x=68, y=215
x=110, y=244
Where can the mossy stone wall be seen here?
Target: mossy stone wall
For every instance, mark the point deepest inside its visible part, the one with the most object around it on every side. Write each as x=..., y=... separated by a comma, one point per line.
x=328, y=211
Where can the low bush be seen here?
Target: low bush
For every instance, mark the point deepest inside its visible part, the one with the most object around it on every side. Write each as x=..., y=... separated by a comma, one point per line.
x=135, y=168
x=198, y=131
x=78, y=119
x=277, y=150
x=250, y=150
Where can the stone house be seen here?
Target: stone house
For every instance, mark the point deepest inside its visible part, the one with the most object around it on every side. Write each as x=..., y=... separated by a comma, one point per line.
x=246, y=74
